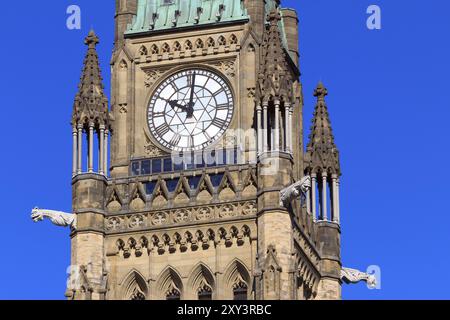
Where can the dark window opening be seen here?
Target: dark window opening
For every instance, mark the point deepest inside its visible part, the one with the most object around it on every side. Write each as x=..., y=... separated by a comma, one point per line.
x=173, y=295
x=240, y=292
x=205, y=293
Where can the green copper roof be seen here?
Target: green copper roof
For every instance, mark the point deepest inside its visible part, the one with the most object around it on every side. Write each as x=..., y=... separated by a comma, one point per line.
x=154, y=15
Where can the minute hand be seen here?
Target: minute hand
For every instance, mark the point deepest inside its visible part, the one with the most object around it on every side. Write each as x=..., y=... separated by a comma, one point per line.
x=191, y=100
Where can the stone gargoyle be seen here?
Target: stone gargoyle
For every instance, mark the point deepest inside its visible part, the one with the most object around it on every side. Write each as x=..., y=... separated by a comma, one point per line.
x=60, y=219
x=294, y=191
x=355, y=276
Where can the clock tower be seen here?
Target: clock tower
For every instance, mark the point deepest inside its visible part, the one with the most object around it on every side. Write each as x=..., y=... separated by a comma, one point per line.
x=205, y=140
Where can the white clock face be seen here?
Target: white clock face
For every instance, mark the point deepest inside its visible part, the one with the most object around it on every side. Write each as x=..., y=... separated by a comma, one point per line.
x=190, y=110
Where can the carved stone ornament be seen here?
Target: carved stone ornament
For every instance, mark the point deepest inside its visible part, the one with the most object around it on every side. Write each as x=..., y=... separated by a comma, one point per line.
x=136, y=221
x=293, y=191
x=60, y=219
x=227, y=211
x=113, y=223
x=151, y=77
x=355, y=276
x=204, y=214
x=159, y=218
x=228, y=67
x=153, y=151
x=249, y=209
x=181, y=216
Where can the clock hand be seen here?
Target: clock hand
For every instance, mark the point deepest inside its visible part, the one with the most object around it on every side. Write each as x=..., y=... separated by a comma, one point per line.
x=174, y=103
x=191, y=100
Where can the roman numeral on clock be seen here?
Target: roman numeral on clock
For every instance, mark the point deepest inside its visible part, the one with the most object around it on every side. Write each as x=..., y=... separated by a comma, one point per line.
x=223, y=106
x=162, y=129
x=219, y=123
x=175, y=140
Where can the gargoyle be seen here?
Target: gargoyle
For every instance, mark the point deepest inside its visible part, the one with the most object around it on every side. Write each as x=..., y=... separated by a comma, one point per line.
x=293, y=191
x=355, y=276
x=60, y=219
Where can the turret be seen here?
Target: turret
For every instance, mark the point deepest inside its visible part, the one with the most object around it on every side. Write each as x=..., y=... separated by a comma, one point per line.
x=90, y=118
x=90, y=114
x=274, y=97
x=322, y=164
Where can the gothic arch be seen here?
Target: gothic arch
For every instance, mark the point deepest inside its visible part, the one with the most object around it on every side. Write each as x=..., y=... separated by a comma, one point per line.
x=169, y=283
x=200, y=278
x=134, y=286
x=236, y=275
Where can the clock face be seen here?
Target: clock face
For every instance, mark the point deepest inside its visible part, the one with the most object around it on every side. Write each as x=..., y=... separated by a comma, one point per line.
x=190, y=110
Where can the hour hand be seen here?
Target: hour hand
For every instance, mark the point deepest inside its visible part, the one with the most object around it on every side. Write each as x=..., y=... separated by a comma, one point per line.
x=175, y=104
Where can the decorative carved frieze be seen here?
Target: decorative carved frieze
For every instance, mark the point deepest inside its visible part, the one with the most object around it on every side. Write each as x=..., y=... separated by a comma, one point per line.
x=180, y=216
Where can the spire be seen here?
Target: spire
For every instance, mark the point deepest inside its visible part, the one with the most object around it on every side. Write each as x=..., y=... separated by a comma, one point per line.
x=91, y=103
x=321, y=152
x=275, y=79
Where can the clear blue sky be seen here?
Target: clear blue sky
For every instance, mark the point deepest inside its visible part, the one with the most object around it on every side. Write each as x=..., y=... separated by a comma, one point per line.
x=390, y=107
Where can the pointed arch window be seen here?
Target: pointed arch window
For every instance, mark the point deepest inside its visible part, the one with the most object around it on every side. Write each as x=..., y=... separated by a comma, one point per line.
x=137, y=295
x=205, y=292
x=173, y=295
x=240, y=291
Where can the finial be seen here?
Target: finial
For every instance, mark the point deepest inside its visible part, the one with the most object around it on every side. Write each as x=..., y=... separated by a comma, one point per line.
x=91, y=40
x=321, y=92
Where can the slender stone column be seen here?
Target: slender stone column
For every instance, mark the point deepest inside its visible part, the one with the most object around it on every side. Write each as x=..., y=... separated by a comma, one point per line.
x=101, y=148
x=337, y=217
x=313, y=195
x=324, y=197
x=80, y=149
x=265, y=126
x=334, y=198
x=91, y=148
x=259, y=128
x=308, y=202
x=277, y=126
x=74, y=151
x=287, y=125
x=105, y=152
x=291, y=111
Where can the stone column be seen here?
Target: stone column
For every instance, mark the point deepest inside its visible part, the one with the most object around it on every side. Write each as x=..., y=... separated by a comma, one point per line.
x=80, y=149
x=91, y=148
x=259, y=128
x=337, y=217
x=101, y=149
x=287, y=125
x=308, y=202
x=277, y=126
x=313, y=194
x=265, y=126
x=105, y=152
x=324, y=196
x=74, y=151
x=333, y=193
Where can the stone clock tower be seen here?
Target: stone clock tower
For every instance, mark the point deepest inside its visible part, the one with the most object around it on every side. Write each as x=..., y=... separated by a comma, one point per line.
x=197, y=184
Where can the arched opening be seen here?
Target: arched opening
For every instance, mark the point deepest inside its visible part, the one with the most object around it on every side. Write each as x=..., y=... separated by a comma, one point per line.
x=201, y=283
x=135, y=287
x=240, y=291
x=169, y=286
x=238, y=281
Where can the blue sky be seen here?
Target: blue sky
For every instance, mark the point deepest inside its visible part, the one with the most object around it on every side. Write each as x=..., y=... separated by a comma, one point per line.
x=389, y=104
